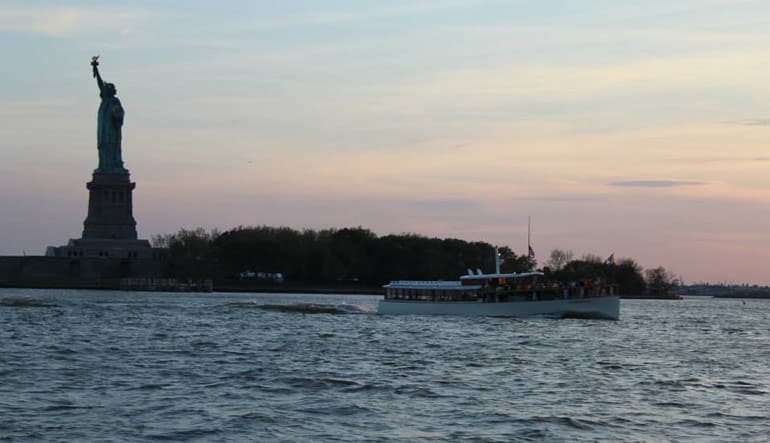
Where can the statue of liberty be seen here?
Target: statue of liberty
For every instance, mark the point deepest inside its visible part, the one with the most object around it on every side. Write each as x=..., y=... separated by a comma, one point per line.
x=109, y=126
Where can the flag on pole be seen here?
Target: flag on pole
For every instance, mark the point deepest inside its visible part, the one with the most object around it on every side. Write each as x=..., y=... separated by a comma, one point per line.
x=611, y=259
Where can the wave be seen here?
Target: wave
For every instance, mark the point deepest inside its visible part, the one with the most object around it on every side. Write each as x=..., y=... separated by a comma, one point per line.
x=66, y=405
x=319, y=382
x=202, y=434
x=338, y=411
x=303, y=308
x=26, y=302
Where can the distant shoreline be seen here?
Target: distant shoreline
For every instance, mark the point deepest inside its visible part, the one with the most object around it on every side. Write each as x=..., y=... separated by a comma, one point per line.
x=319, y=289
x=651, y=297
x=299, y=289
x=227, y=287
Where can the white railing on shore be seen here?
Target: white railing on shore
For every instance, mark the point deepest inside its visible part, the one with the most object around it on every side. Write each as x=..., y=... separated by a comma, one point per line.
x=165, y=285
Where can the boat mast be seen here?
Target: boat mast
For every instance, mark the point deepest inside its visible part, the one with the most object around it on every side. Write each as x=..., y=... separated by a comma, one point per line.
x=497, y=261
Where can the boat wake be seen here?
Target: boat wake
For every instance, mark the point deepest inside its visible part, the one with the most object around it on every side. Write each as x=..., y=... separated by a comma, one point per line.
x=25, y=302
x=304, y=308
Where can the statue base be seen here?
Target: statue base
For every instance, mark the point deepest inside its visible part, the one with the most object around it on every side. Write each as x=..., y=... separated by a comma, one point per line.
x=110, y=208
x=109, y=231
x=105, y=248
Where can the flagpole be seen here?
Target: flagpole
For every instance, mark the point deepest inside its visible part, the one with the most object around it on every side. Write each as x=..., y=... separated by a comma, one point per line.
x=529, y=233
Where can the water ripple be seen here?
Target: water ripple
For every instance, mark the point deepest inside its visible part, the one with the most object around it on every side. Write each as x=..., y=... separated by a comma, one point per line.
x=122, y=366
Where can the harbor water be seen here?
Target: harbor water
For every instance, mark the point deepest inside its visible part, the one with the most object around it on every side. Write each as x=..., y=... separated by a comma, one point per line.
x=139, y=366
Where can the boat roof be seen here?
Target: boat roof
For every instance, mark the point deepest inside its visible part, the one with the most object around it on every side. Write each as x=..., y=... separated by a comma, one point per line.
x=455, y=284
x=494, y=276
x=435, y=284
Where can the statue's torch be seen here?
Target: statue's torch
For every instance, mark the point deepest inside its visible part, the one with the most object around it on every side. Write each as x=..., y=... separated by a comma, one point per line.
x=95, y=63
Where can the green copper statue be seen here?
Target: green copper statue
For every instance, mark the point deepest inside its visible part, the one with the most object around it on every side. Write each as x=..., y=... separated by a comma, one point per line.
x=109, y=126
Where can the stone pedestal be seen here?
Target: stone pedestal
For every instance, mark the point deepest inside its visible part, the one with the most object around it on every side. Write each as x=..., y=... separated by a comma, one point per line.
x=109, y=230
x=107, y=248
x=110, y=208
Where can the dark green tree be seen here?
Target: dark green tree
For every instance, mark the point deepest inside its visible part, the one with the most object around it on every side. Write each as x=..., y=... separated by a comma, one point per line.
x=660, y=281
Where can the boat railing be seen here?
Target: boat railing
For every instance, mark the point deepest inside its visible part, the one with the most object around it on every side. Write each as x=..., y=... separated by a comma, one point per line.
x=431, y=291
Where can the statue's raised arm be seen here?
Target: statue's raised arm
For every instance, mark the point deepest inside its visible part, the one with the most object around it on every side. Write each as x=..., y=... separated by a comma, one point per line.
x=95, y=64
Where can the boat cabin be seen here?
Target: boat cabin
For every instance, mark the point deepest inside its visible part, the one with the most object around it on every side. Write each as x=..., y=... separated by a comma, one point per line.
x=431, y=290
x=496, y=287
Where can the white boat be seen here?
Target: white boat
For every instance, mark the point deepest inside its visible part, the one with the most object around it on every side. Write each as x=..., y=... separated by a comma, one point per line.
x=501, y=295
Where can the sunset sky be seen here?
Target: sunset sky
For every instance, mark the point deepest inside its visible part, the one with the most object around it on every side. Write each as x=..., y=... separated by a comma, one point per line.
x=635, y=128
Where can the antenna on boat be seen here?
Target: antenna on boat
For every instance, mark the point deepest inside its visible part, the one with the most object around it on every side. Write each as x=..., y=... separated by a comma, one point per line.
x=497, y=261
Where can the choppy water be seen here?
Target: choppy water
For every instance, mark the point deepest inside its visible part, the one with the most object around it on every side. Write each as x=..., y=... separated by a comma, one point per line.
x=122, y=366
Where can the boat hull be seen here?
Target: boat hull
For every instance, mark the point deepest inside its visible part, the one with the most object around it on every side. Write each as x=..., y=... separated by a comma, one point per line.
x=592, y=307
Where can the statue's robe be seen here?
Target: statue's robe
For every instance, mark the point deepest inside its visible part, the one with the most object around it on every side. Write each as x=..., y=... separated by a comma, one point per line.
x=109, y=131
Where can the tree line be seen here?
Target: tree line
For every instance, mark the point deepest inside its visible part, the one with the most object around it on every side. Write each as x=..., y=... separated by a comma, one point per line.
x=361, y=257
x=625, y=272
